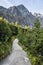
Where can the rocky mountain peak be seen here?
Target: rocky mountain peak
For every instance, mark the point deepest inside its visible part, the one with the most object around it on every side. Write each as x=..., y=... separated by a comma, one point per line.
x=23, y=10
x=21, y=14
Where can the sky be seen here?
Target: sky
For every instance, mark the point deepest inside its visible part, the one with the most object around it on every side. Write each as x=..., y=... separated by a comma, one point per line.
x=31, y=5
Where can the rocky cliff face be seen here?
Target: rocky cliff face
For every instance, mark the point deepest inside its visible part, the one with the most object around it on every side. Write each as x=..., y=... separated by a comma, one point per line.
x=19, y=13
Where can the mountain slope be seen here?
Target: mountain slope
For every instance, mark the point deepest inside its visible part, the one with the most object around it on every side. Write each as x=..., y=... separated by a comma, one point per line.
x=18, y=13
x=23, y=10
x=29, y=18
x=39, y=16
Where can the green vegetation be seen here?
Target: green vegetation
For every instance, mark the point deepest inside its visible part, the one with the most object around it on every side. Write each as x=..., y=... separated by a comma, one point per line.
x=30, y=39
x=32, y=42
x=7, y=32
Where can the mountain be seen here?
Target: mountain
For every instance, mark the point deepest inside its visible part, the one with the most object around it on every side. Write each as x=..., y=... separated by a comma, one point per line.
x=2, y=9
x=18, y=13
x=28, y=17
x=39, y=16
x=14, y=11
x=23, y=10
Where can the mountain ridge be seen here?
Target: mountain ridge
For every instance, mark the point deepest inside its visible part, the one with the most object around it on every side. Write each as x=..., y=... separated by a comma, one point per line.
x=19, y=13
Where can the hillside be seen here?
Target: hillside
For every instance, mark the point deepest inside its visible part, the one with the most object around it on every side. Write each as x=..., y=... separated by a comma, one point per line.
x=30, y=39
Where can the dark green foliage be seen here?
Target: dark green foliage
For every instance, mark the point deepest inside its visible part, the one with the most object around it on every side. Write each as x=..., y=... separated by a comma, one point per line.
x=37, y=23
x=5, y=31
x=5, y=35
x=32, y=41
x=13, y=28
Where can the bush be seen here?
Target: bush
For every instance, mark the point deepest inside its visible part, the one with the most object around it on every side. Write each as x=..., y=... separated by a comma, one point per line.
x=5, y=35
x=32, y=41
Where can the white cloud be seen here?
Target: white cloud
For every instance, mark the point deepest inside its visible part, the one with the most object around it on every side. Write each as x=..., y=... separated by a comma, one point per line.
x=8, y=3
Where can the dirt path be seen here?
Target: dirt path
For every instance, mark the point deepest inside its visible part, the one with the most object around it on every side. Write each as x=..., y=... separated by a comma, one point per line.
x=17, y=57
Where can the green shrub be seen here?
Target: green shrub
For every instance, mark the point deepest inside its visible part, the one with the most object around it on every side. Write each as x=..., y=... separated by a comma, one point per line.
x=5, y=36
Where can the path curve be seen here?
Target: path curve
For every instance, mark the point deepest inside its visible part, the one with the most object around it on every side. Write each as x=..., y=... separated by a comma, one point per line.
x=17, y=57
